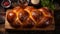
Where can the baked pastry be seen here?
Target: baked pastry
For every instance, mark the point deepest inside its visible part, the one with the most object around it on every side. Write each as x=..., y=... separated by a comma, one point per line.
x=29, y=17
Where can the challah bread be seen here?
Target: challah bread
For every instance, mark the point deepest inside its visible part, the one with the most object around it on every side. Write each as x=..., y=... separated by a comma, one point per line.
x=28, y=17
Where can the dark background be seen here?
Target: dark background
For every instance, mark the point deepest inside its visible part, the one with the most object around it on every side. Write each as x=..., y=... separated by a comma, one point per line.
x=57, y=22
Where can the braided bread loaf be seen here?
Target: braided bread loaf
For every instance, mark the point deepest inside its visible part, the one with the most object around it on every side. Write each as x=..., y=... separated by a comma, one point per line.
x=28, y=17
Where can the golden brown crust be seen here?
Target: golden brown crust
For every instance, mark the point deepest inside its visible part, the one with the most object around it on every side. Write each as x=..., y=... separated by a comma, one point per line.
x=28, y=17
